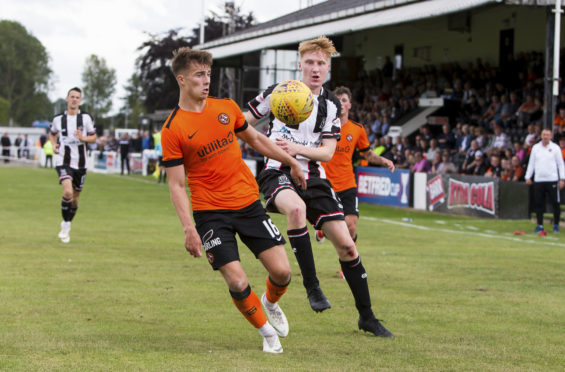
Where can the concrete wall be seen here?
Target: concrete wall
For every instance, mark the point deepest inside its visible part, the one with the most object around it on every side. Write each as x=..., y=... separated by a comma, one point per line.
x=432, y=35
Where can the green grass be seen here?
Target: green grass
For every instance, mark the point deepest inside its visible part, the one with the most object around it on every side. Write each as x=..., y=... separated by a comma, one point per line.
x=459, y=293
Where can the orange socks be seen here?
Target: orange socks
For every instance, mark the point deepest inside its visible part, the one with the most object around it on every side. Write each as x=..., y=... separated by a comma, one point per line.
x=275, y=291
x=249, y=305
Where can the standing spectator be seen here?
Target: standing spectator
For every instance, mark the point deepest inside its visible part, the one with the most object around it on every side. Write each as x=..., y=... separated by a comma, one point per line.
x=17, y=145
x=546, y=166
x=6, y=144
x=25, y=146
x=124, y=152
x=48, y=150
x=146, y=141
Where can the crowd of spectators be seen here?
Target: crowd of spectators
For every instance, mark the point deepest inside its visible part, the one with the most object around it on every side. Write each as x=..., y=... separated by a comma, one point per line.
x=498, y=115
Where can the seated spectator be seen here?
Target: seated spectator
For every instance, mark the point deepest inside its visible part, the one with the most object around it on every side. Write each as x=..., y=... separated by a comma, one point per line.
x=531, y=134
x=505, y=173
x=478, y=167
x=481, y=137
x=527, y=109
x=421, y=164
x=517, y=171
x=446, y=140
x=464, y=141
x=434, y=149
x=446, y=166
x=507, y=114
x=407, y=160
x=501, y=140
x=519, y=150
x=435, y=163
x=562, y=146
x=422, y=146
x=492, y=111
x=495, y=169
x=470, y=156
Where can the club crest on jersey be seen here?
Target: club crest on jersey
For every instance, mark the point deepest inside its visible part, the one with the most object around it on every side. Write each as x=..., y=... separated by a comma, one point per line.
x=224, y=118
x=349, y=137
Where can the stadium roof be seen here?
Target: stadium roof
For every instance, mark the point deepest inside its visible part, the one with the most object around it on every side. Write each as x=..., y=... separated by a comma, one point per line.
x=333, y=17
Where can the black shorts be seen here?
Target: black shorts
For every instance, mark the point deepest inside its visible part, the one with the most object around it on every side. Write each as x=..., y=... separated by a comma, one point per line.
x=77, y=176
x=217, y=230
x=349, y=200
x=322, y=203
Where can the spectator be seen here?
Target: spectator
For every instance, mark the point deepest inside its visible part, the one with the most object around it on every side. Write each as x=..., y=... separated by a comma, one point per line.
x=446, y=166
x=124, y=152
x=526, y=110
x=519, y=150
x=435, y=163
x=434, y=149
x=531, y=134
x=464, y=140
x=470, y=156
x=517, y=171
x=560, y=117
x=25, y=145
x=421, y=164
x=6, y=144
x=48, y=150
x=17, y=145
x=495, y=169
x=446, y=140
x=478, y=167
x=501, y=140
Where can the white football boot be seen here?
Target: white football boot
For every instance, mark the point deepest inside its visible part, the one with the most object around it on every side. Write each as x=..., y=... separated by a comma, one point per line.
x=64, y=233
x=276, y=316
x=271, y=344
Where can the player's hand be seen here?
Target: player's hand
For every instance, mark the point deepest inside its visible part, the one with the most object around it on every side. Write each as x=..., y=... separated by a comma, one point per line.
x=56, y=148
x=561, y=184
x=297, y=174
x=78, y=134
x=529, y=182
x=290, y=148
x=192, y=242
x=388, y=163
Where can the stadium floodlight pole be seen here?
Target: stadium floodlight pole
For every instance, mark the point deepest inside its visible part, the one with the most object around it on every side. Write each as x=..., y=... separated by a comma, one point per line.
x=557, y=45
x=203, y=21
x=548, y=103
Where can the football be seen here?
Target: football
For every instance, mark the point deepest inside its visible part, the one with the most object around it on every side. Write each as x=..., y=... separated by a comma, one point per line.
x=292, y=102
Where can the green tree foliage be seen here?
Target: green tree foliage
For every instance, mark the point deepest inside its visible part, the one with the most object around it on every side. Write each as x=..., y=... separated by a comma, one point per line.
x=99, y=85
x=24, y=74
x=134, y=99
x=4, y=111
x=157, y=80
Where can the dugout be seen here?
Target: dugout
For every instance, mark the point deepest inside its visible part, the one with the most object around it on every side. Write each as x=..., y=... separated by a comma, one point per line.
x=411, y=32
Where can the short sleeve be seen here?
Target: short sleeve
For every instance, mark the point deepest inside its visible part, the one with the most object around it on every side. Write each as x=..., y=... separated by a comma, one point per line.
x=332, y=125
x=171, y=147
x=260, y=105
x=363, y=143
x=240, y=123
x=54, y=128
x=89, y=125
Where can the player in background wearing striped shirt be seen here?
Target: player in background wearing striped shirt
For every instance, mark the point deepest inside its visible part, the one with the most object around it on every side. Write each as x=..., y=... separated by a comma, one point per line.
x=69, y=133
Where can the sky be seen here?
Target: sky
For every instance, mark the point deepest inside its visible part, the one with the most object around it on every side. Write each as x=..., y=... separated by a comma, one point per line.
x=71, y=31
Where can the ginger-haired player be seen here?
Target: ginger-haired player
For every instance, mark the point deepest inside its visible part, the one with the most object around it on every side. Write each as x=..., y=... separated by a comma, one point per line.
x=311, y=142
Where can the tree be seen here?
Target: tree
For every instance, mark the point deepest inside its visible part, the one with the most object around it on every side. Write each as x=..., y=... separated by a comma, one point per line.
x=133, y=107
x=24, y=73
x=4, y=111
x=159, y=84
x=99, y=85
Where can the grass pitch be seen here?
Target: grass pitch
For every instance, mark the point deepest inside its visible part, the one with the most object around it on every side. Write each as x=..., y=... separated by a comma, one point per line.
x=458, y=293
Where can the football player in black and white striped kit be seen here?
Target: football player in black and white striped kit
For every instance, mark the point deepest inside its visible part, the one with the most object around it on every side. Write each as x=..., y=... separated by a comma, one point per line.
x=312, y=141
x=69, y=133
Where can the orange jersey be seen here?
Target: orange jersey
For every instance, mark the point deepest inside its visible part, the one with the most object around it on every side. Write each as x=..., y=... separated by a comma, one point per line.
x=205, y=142
x=339, y=170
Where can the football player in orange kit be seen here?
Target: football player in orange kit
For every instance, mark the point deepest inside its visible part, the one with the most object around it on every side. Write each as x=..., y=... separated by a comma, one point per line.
x=339, y=170
x=200, y=139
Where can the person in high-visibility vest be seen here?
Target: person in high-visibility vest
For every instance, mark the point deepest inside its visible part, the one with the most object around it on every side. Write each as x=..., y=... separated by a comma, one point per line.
x=48, y=150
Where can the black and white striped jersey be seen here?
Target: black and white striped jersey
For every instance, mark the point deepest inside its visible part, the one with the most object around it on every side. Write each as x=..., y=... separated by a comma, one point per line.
x=322, y=123
x=72, y=151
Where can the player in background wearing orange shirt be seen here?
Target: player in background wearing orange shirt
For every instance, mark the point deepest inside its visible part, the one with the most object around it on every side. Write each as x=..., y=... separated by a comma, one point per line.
x=339, y=170
x=199, y=138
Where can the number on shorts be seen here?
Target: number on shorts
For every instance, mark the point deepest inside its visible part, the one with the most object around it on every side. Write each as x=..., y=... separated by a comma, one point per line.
x=271, y=228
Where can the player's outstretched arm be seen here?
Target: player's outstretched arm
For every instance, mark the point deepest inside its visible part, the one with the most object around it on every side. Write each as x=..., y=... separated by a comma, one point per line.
x=192, y=241
x=323, y=153
x=373, y=158
x=266, y=147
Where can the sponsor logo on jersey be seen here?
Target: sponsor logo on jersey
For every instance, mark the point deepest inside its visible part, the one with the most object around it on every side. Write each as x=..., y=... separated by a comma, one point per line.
x=283, y=180
x=215, y=146
x=210, y=242
x=224, y=118
x=344, y=149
